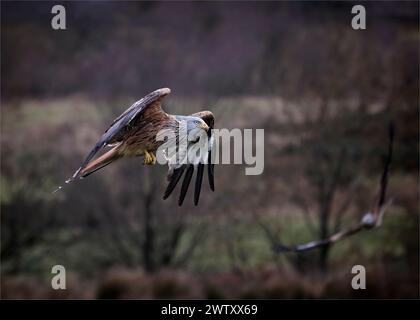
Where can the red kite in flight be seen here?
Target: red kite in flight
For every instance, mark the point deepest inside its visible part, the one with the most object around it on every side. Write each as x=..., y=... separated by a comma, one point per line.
x=134, y=133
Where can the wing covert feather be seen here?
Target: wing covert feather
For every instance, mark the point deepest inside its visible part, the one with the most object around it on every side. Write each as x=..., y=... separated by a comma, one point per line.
x=121, y=122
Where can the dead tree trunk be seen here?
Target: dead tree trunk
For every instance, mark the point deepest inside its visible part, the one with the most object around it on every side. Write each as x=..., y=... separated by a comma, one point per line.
x=149, y=232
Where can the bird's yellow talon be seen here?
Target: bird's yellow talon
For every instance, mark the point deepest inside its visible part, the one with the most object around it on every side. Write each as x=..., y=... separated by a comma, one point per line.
x=149, y=158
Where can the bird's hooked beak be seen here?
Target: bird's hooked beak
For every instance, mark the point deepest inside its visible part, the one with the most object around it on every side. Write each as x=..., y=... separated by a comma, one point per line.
x=204, y=126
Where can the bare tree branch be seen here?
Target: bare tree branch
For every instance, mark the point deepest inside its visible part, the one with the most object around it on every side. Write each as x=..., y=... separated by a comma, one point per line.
x=371, y=219
x=339, y=215
x=186, y=254
x=301, y=203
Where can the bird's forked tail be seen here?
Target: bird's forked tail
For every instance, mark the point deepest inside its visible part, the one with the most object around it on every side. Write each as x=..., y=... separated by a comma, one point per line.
x=93, y=166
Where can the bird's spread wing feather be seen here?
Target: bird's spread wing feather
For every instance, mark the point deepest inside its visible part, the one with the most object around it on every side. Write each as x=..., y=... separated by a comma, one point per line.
x=122, y=123
x=175, y=175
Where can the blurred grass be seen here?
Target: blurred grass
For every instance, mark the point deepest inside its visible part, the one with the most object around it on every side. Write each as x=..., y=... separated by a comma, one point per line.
x=213, y=255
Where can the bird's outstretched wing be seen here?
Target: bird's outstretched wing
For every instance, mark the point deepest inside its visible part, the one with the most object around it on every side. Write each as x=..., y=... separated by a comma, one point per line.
x=124, y=123
x=189, y=169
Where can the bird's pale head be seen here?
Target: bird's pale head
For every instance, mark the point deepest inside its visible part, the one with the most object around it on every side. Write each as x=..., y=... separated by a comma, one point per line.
x=195, y=127
x=196, y=122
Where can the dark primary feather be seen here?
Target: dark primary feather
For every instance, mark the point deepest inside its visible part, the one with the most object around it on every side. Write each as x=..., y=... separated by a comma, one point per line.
x=185, y=184
x=198, y=181
x=208, y=118
x=210, y=172
x=176, y=175
x=384, y=178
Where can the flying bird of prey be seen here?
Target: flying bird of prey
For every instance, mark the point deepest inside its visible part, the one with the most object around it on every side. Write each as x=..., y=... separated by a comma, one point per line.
x=134, y=133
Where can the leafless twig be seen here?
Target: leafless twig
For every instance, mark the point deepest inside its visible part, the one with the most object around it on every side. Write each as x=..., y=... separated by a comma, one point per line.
x=370, y=220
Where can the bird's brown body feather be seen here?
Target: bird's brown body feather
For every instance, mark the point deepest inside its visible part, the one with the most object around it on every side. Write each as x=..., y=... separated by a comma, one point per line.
x=142, y=134
x=137, y=137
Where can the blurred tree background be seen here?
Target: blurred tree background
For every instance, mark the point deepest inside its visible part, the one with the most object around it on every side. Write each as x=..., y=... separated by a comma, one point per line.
x=323, y=92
